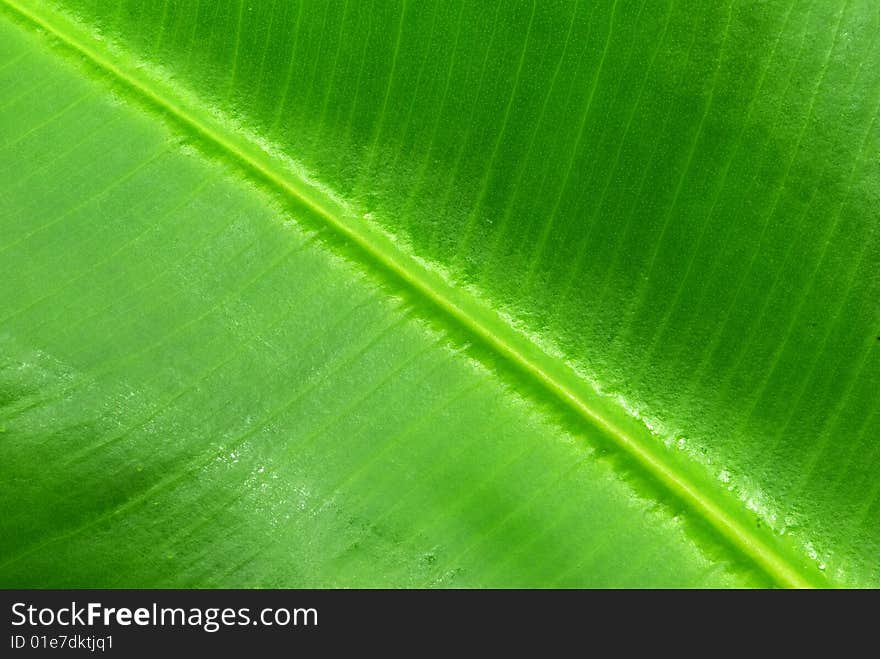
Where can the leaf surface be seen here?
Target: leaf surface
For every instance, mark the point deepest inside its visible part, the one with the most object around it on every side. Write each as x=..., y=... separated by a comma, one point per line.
x=507, y=294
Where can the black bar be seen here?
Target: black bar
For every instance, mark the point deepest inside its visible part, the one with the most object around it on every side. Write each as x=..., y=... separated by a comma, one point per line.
x=337, y=620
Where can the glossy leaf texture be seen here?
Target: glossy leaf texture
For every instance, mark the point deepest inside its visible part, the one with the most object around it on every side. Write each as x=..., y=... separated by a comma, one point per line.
x=443, y=293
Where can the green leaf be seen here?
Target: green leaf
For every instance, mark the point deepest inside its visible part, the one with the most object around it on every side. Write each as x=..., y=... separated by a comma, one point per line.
x=439, y=294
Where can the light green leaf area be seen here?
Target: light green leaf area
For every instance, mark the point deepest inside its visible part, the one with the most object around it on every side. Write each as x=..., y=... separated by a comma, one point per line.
x=439, y=294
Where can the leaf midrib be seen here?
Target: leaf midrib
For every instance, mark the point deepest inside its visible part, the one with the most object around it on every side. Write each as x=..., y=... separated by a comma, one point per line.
x=459, y=308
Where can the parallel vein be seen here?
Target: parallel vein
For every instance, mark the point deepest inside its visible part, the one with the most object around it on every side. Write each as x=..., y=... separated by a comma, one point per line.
x=461, y=309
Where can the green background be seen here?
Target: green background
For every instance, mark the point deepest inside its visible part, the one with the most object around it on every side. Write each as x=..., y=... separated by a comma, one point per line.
x=205, y=387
